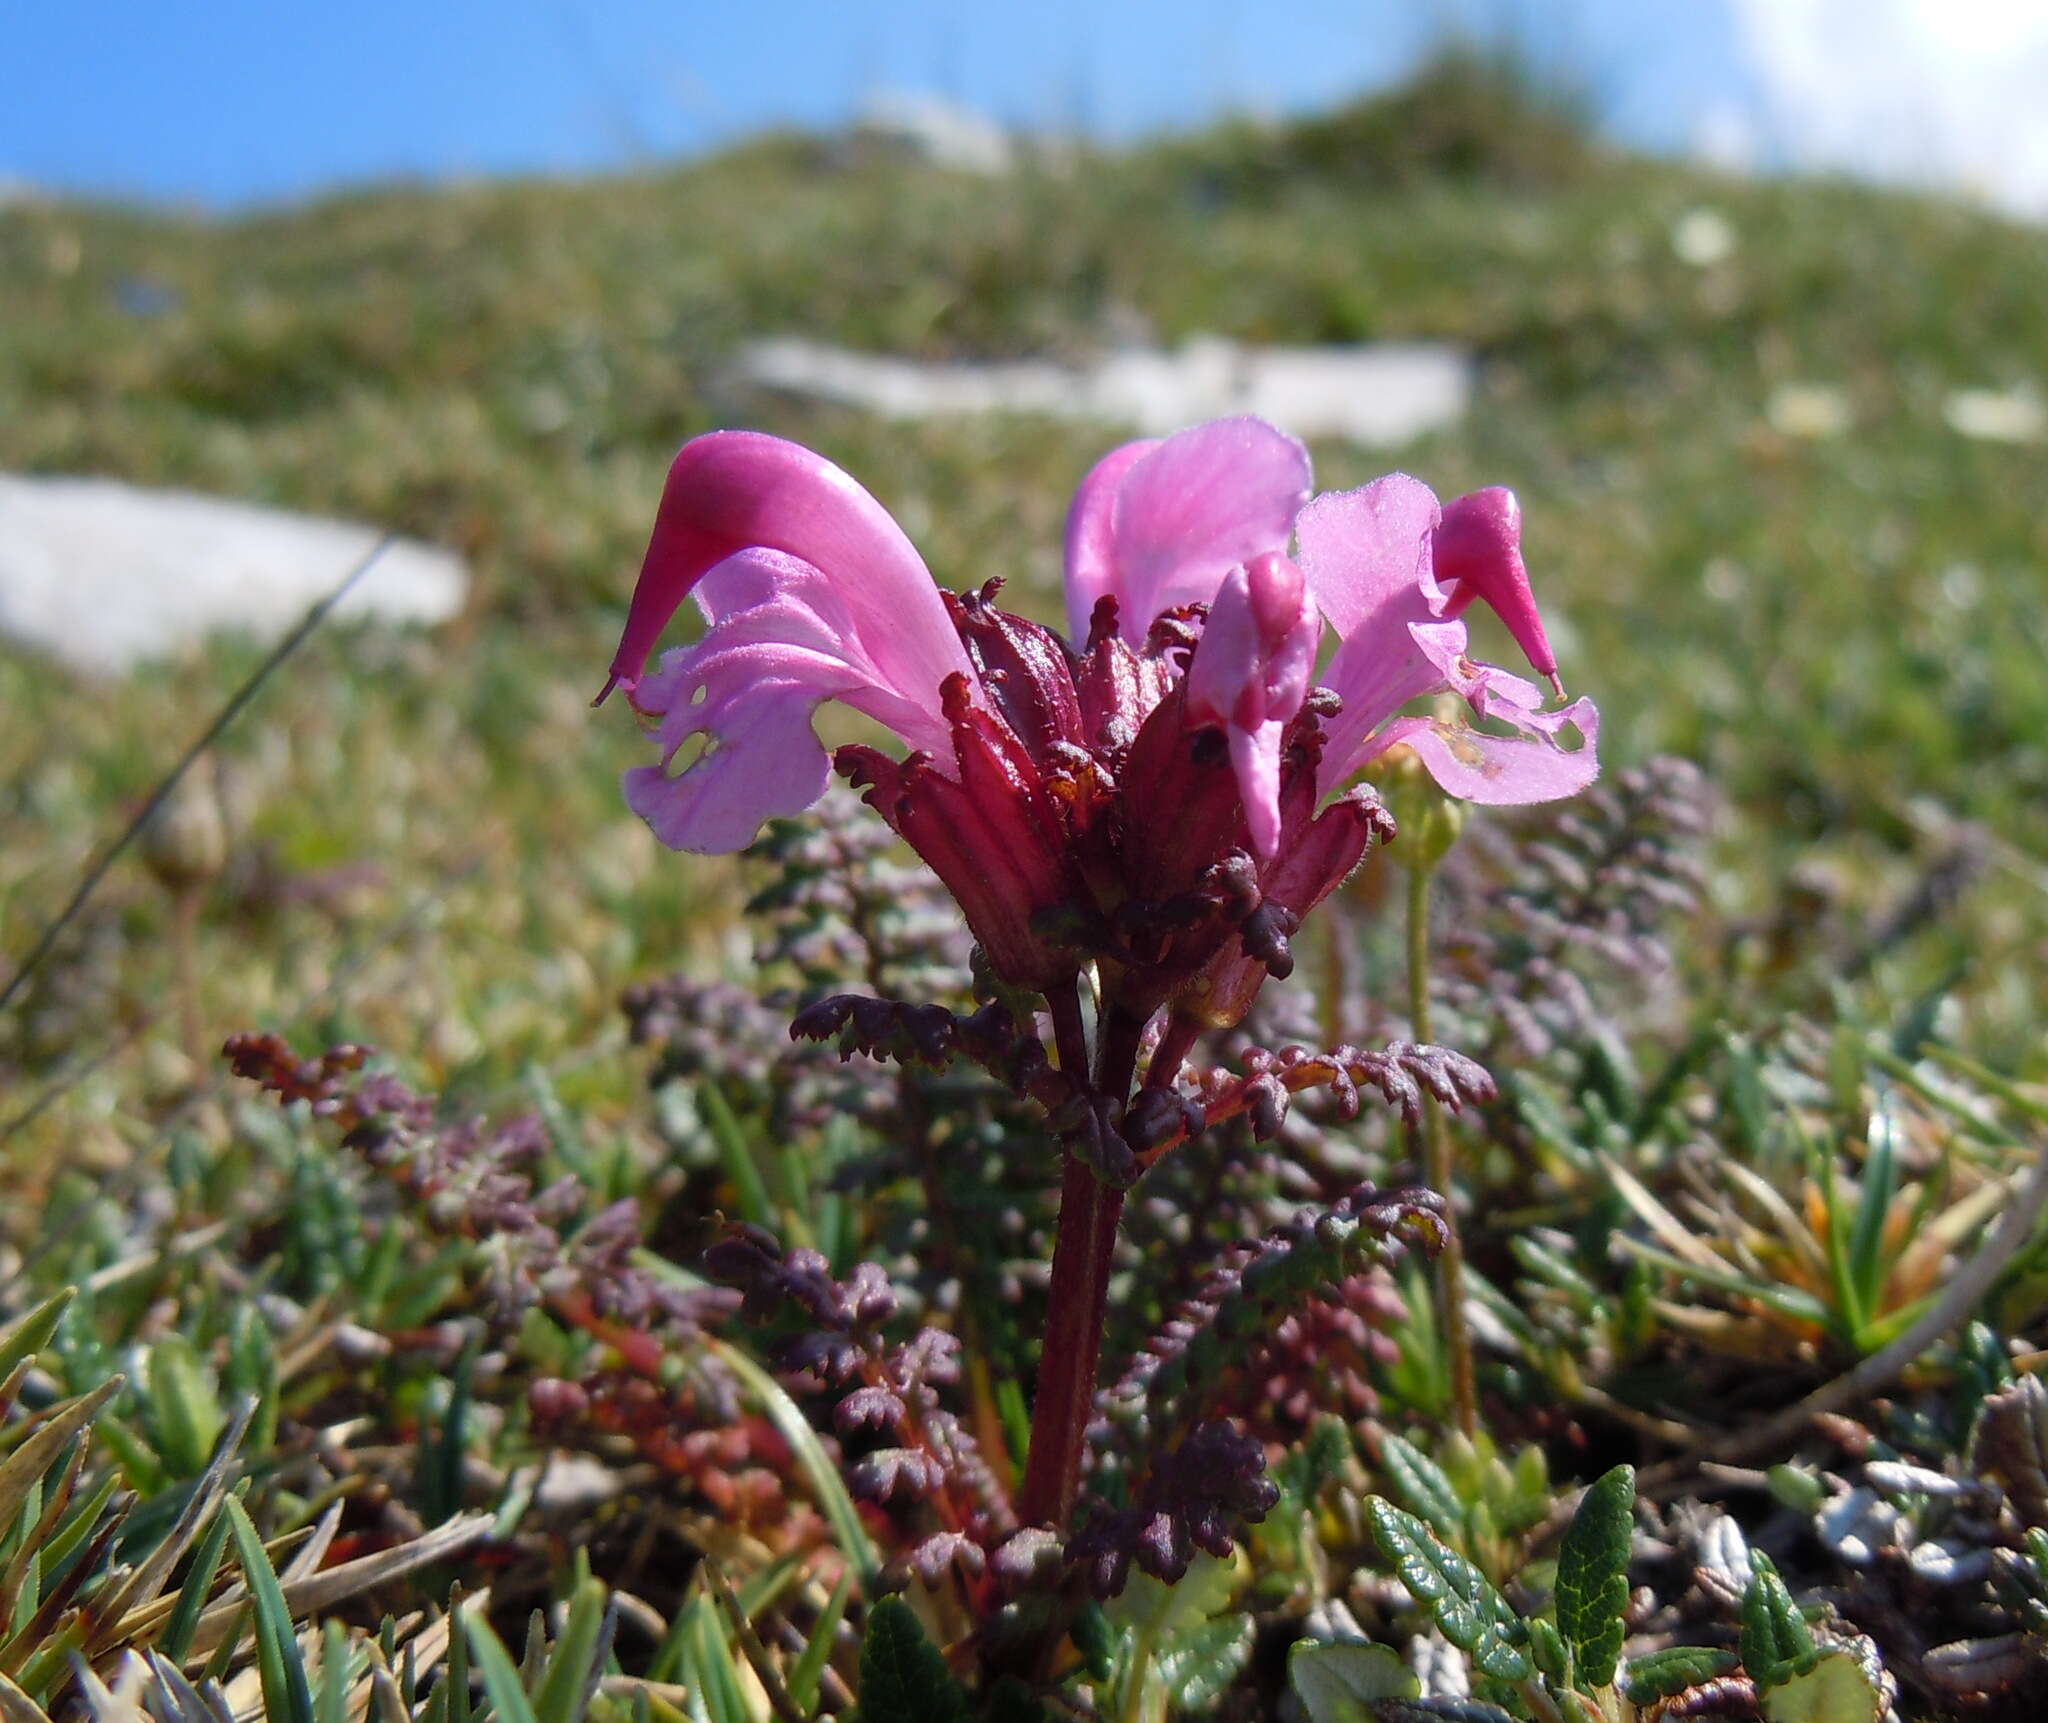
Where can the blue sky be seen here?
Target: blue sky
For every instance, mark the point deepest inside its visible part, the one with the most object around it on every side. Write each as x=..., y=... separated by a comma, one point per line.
x=229, y=102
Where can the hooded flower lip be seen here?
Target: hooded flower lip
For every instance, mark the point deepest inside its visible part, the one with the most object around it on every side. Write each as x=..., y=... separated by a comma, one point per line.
x=732, y=491
x=1477, y=553
x=812, y=593
x=1145, y=794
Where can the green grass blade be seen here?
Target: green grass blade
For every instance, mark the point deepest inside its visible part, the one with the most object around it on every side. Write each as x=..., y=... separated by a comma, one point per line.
x=330, y=1704
x=1866, y=1240
x=456, y=1686
x=68, y=1536
x=818, y=1468
x=1787, y=1300
x=571, y=1670
x=26, y=1336
x=177, y=1636
x=281, y=1668
x=500, y=1673
x=716, y=1671
x=809, y=1671
x=740, y=1165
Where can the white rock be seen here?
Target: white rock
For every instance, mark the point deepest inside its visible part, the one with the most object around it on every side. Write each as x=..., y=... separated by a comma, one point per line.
x=1997, y=415
x=1703, y=237
x=103, y=575
x=1809, y=410
x=935, y=130
x=1384, y=393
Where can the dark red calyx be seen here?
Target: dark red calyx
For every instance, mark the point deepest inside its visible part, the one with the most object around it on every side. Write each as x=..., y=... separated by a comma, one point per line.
x=1118, y=691
x=1026, y=669
x=994, y=834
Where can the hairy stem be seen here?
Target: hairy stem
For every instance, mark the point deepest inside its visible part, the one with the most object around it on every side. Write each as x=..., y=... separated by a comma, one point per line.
x=1437, y=1170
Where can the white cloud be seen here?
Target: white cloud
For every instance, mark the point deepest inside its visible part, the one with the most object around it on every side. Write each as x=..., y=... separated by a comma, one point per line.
x=1943, y=93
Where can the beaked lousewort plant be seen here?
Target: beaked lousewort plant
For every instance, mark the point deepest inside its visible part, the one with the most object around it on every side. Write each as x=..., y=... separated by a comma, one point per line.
x=1134, y=822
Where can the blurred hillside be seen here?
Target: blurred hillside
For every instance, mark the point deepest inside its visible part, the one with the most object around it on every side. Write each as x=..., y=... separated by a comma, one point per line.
x=1729, y=407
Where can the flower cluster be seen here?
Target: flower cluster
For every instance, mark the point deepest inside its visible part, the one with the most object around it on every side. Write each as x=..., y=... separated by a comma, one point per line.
x=1163, y=792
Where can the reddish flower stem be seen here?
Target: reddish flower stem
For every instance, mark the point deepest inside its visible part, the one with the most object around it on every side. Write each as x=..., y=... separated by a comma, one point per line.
x=1089, y=1210
x=1077, y=1301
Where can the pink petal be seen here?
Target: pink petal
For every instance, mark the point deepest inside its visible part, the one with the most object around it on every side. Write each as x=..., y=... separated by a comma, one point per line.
x=1478, y=554
x=1091, y=537
x=1255, y=757
x=771, y=766
x=783, y=639
x=1251, y=673
x=1258, y=647
x=1475, y=766
x=736, y=490
x=1378, y=668
x=1188, y=511
x=1366, y=553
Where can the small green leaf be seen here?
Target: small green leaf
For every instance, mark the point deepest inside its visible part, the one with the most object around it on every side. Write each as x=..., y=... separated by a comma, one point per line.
x=28, y=1335
x=1776, y=1642
x=1867, y=1260
x=81, y=1521
x=1834, y=1690
x=1338, y=1683
x=1173, y=1641
x=712, y=1667
x=1423, y=1488
x=456, y=1683
x=1666, y=1674
x=1797, y=1488
x=184, y=1405
x=1592, y=1575
x=1463, y=1603
x=1198, y=1663
x=1546, y=1646
x=740, y=1164
x=2037, y=1552
x=1094, y=1640
x=903, y=1679
x=444, y=1448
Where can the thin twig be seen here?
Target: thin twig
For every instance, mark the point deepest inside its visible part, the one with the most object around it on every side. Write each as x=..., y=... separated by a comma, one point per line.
x=66, y=1080
x=1437, y=1157
x=169, y=782
x=779, y=1697
x=1961, y=1296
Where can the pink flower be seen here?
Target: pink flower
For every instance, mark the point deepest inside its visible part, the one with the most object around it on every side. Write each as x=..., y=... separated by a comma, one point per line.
x=1391, y=570
x=1065, y=790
